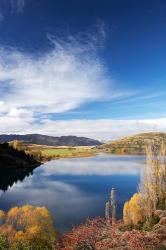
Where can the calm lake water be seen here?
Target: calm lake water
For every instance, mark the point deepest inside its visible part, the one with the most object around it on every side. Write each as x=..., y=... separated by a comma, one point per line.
x=73, y=189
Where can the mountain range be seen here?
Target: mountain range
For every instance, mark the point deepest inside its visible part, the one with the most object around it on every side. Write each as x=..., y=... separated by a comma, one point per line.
x=50, y=140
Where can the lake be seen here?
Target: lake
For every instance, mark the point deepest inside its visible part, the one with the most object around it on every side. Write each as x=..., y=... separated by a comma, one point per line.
x=73, y=189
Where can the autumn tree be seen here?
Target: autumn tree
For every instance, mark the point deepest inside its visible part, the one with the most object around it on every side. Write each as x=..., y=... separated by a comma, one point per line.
x=153, y=181
x=17, y=144
x=4, y=243
x=29, y=225
x=2, y=217
x=152, y=193
x=36, y=153
x=132, y=211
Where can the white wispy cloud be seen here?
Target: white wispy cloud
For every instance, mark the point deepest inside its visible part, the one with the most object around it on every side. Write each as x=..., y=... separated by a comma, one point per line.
x=64, y=78
x=68, y=76
x=60, y=80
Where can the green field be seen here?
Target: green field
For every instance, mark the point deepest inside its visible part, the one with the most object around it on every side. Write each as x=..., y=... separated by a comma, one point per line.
x=45, y=153
x=62, y=152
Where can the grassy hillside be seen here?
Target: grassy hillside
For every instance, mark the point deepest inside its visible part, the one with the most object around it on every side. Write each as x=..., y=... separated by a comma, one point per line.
x=135, y=144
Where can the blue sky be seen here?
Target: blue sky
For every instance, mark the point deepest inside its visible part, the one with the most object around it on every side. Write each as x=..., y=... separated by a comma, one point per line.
x=84, y=67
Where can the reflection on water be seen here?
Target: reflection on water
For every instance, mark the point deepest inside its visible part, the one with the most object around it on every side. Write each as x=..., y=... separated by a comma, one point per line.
x=10, y=176
x=74, y=189
x=100, y=165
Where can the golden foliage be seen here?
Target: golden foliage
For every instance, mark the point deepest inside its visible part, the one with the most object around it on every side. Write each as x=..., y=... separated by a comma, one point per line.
x=17, y=144
x=132, y=211
x=2, y=217
x=153, y=182
x=28, y=224
x=152, y=194
x=8, y=231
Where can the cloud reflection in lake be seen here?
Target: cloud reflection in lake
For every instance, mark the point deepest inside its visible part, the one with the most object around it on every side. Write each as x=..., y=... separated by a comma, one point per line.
x=100, y=165
x=74, y=189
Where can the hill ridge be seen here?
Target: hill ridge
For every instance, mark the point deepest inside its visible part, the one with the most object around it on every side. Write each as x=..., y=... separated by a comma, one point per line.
x=40, y=139
x=134, y=144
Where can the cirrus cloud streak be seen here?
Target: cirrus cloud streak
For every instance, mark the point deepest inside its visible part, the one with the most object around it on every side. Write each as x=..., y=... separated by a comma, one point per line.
x=64, y=78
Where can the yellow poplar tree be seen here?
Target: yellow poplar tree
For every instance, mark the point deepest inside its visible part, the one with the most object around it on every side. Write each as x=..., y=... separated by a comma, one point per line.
x=132, y=211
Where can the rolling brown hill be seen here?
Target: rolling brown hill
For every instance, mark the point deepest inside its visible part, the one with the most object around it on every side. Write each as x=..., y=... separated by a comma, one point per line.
x=135, y=144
